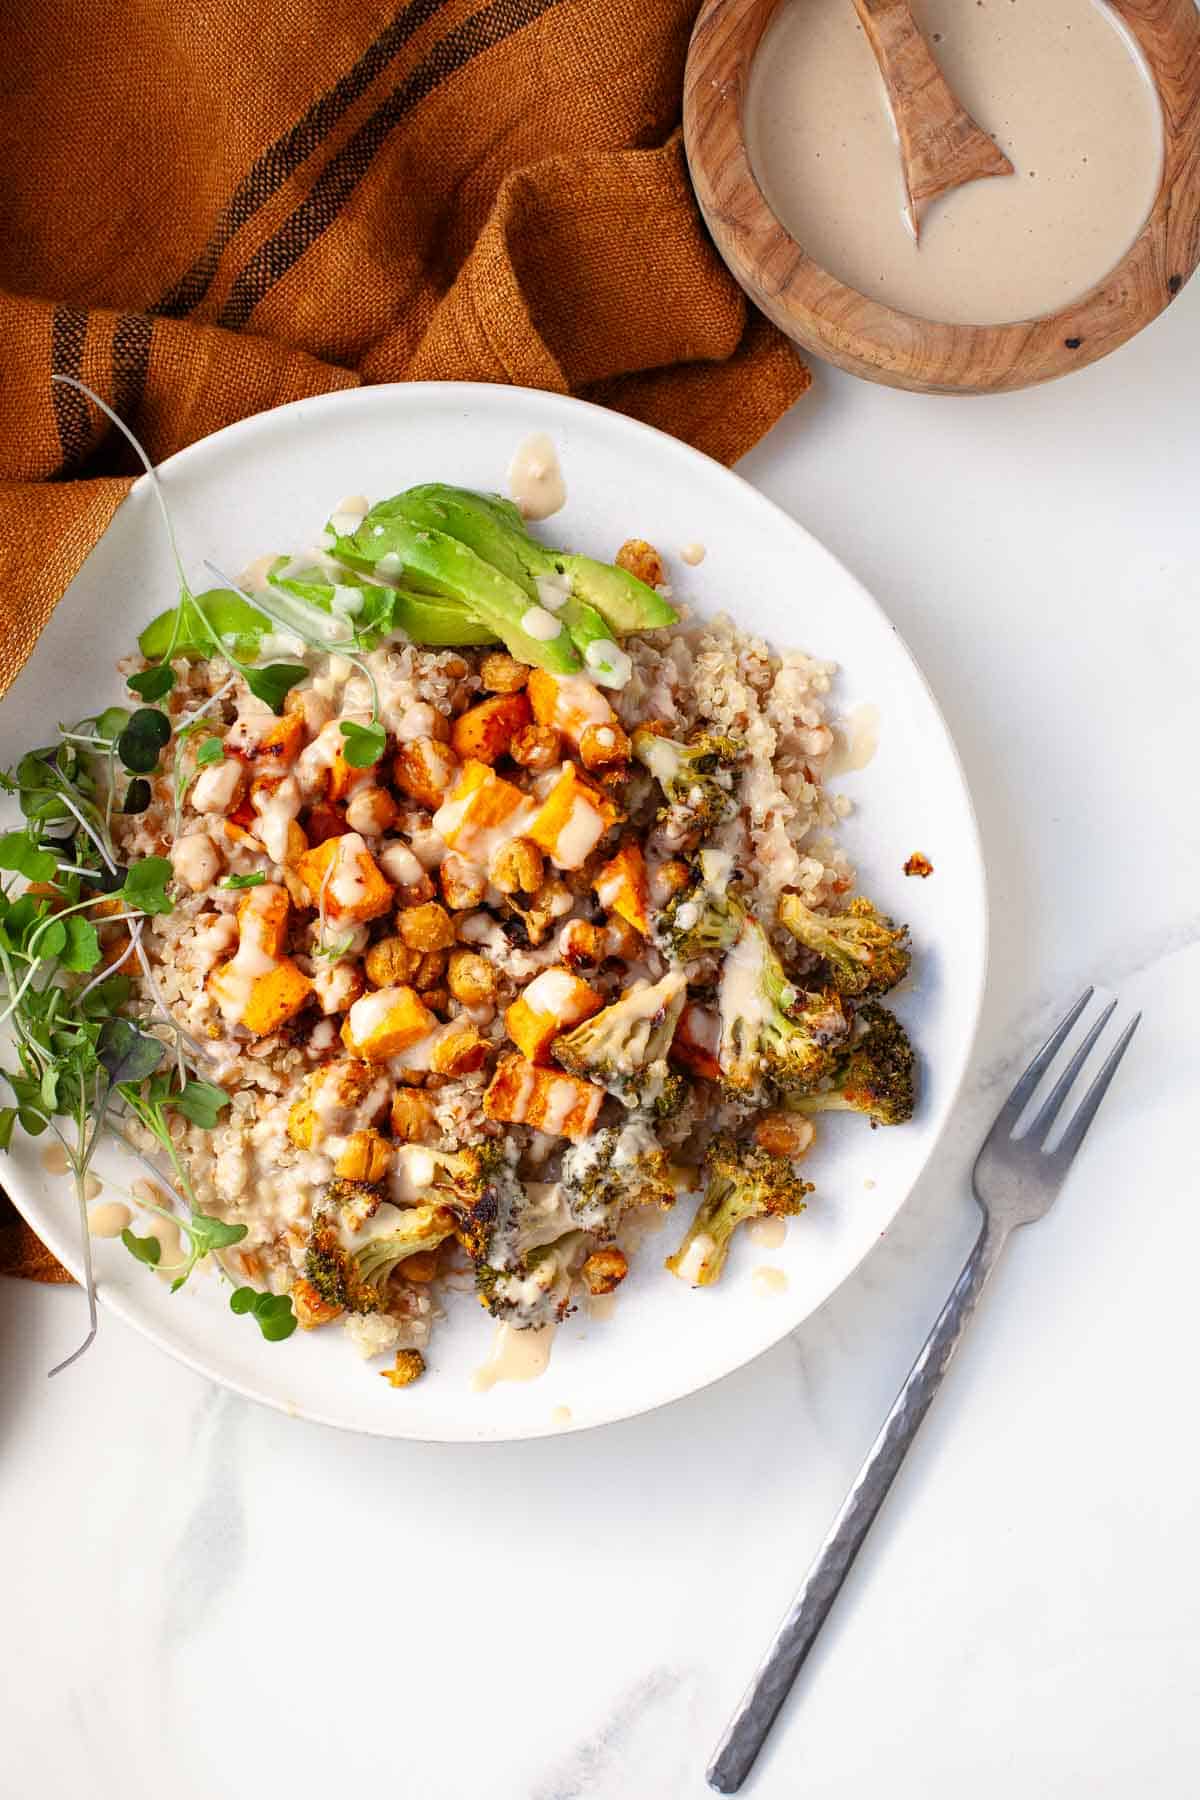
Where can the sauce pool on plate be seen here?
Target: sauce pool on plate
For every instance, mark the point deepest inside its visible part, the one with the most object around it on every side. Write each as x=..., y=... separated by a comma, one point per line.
x=1062, y=88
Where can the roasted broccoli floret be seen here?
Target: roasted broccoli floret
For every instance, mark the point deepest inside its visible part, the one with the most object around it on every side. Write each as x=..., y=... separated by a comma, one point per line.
x=478, y=1185
x=408, y=1367
x=697, y=922
x=536, y=1291
x=744, y=1182
x=624, y=1048
x=775, y=1037
x=874, y=1074
x=697, y=781
x=613, y=1170
x=358, y=1239
x=866, y=953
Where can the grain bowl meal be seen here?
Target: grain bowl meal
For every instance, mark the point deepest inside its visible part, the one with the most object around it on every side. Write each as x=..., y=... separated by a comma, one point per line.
x=440, y=902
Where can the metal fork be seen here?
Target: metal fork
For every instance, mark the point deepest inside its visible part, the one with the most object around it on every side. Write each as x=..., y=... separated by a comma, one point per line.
x=1015, y=1181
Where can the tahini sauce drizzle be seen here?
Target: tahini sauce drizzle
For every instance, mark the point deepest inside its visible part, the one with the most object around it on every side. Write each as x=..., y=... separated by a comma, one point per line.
x=855, y=740
x=535, y=479
x=769, y=1283
x=514, y=1356
x=109, y=1220
x=768, y=1232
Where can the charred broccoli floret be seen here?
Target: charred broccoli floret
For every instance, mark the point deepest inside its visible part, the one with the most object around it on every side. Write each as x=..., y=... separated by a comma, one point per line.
x=697, y=780
x=698, y=922
x=775, y=1038
x=538, y=1291
x=866, y=953
x=874, y=1074
x=527, y=1264
x=613, y=1170
x=358, y=1239
x=744, y=1182
x=624, y=1048
x=408, y=1367
x=478, y=1185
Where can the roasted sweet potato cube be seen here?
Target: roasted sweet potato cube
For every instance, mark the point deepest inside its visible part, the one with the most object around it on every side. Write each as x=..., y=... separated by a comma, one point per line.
x=262, y=919
x=486, y=731
x=384, y=1023
x=425, y=770
x=553, y=1002
x=569, y=702
x=570, y=821
x=354, y=887
x=281, y=743
x=275, y=998
x=523, y=1094
x=623, y=887
x=344, y=778
x=479, y=802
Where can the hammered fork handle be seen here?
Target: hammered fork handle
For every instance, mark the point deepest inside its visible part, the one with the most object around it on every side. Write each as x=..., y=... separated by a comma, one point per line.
x=798, y=1631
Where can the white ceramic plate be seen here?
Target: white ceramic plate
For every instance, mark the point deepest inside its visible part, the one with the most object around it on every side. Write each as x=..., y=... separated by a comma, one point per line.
x=268, y=483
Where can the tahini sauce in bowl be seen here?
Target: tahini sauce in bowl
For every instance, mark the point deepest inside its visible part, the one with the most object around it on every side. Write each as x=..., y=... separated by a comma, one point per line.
x=1061, y=86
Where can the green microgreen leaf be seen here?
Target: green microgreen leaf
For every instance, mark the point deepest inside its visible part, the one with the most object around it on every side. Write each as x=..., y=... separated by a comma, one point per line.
x=147, y=732
x=254, y=879
x=365, y=744
x=145, y=885
x=147, y=1250
x=138, y=796
x=125, y=1053
x=211, y=751
x=19, y=852
x=274, y=682
x=112, y=722
x=82, y=949
x=242, y=1299
x=202, y=1102
x=154, y=683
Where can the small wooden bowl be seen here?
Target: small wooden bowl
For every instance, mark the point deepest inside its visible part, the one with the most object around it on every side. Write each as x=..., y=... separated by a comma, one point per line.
x=838, y=323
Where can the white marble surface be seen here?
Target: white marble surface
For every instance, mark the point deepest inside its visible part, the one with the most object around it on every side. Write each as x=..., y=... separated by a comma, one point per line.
x=204, y=1598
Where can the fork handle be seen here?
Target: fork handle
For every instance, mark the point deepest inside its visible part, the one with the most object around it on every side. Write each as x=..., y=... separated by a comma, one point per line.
x=759, y=1705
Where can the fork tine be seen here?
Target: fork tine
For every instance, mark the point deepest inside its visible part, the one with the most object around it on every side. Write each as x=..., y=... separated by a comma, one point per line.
x=1021, y=1095
x=1049, y=1111
x=1089, y=1106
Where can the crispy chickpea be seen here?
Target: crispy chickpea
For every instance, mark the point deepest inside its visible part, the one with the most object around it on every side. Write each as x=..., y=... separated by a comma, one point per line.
x=463, y=885
x=408, y=1367
x=519, y=868
x=364, y=1157
x=371, y=811
x=604, y=747
x=668, y=878
x=430, y=971
x=460, y=1052
x=643, y=560
x=621, y=940
x=437, y=1000
x=536, y=747
x=580, y=943
x=427, y=927
x=412, y=1116
x=501, y=674
x=471, y=978
x=309, y=1308
x=605, y=1269
x=782, y=1134
x=390, y=963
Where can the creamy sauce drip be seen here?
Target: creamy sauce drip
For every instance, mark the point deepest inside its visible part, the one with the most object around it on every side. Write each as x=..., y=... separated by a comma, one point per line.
x=769, y=1283
x=54, y=1160
x=770, y=1233
x=535, y=480
x=693, y=554
x=514, y=1356
x=561, y=1415
x=109, y=1220
x=1061, y=86
x=855, y=741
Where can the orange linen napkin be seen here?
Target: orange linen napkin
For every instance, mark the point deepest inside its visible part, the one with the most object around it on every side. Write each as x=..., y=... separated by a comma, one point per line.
x=209, y=210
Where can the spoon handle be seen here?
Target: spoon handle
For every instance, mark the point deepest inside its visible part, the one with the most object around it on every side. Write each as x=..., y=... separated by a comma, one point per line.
x=941, y=146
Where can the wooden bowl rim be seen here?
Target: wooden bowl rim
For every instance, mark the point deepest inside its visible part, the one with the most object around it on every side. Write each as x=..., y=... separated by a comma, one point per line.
x=883, y=341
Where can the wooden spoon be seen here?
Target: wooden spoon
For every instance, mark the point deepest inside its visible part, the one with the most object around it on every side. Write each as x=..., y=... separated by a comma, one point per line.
x=941, y=146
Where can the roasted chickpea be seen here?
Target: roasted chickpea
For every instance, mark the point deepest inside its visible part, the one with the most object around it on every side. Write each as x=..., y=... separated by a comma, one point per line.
x=519, y=868
x=605, y=1269
x=427, y=927
x=430, y=971
x=604, y=747
x=643, y=560
x=537, y=747
x=782, y=1134
x=502, y=674
x=412, y=1116
x=471, y=978
x=463, y=885
x=371, y=811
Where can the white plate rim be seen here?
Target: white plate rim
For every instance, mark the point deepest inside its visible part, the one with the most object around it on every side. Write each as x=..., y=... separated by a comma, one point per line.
x=485, y=394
